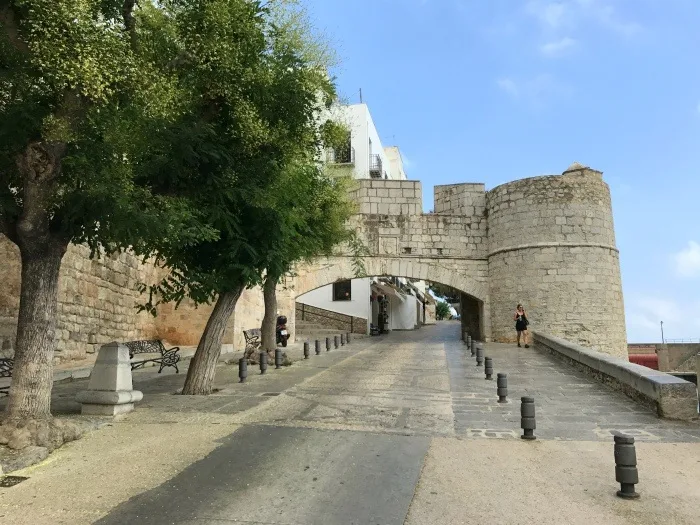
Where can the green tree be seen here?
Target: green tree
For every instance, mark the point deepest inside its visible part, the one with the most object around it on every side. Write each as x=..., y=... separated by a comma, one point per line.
x=312, y=212
x=76, y=100
x=253, y=113
x=442, y=310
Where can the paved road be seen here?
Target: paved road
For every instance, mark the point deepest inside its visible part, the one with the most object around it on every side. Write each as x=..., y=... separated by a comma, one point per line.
x=393, y=430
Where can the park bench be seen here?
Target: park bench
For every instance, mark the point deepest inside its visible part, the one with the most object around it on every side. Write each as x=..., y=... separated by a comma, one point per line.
x=252, y=339
x=155, y=346
x=6, y=366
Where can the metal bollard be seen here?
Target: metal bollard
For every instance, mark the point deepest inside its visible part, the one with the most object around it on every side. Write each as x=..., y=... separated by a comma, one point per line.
x=469, y=341
x=472, y=348
x=335, y=341
x=317, y=347
x=306, y=349
x=502, y=387
x=342, y=339
x=479, y=355
x=465, y=336
x=242, y=369
x=488, y=369
x=347, y=338
x=263, y=362
x=527, y=418
x=328, y=344
x=626, y=473
x=278, y=358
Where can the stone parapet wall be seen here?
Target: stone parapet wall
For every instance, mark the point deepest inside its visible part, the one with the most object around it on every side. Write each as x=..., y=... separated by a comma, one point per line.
x=328, y=319
x=468, y=199
x=573, y=208
x=671, y=397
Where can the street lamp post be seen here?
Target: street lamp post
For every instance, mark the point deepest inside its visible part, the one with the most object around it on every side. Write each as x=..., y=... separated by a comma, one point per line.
x=663, y=341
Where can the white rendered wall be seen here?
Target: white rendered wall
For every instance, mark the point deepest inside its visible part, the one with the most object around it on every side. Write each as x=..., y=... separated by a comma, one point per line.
x=402, y=314
x=358, y=119
x=396, y=170
x=358, y=306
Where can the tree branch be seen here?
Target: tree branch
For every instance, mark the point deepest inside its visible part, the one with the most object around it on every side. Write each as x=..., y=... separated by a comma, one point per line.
x=130, y=21
x=9, y=22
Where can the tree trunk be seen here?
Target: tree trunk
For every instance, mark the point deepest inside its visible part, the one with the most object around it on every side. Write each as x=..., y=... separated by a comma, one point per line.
x=269, y=322
x=200, y=376
x=32, y=376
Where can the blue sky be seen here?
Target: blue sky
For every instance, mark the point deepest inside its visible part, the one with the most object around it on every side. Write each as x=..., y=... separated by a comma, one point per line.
x=496, y=90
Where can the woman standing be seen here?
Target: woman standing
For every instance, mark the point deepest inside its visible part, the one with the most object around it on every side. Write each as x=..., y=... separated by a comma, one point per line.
x=521, y=323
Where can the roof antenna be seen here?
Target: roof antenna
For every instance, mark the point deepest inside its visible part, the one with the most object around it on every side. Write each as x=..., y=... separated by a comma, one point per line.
x=360, y=95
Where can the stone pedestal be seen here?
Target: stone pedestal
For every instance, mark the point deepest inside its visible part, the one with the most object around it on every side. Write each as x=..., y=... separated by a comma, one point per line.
x=110, y=390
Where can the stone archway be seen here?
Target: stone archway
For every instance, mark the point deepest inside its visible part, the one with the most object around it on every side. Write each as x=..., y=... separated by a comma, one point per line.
x=466, y=276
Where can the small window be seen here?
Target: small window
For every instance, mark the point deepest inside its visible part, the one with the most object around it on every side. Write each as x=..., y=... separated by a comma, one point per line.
x=342, y=291
x=407, y=250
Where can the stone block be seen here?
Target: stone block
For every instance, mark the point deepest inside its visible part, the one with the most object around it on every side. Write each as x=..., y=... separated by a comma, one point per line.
x=110, y=389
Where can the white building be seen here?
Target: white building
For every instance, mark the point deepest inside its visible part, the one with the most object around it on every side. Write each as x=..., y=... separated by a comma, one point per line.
x=390, y=303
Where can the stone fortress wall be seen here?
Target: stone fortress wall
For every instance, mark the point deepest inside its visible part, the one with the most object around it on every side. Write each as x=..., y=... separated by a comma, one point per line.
x=547, y=242
x=552, y=248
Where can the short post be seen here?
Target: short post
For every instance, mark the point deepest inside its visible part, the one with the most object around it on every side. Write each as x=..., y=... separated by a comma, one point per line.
x=242, y=369
x=110, y=390
x=328, y=344
x=469, y=341
x=347, y=338
x=465, y=336
x=502, y=387
x=472, y=348
x=479, y=355
x=342, y=339
x=527, y=418
x=306, y=349
x=626, y=473
x=278, y=358
x=335, y=341
x=488, y=368
x=317, y=347
x=263, y=362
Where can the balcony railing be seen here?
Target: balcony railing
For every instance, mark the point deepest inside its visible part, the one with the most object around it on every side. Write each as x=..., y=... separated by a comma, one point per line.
x=341, y=155
x=375, y=167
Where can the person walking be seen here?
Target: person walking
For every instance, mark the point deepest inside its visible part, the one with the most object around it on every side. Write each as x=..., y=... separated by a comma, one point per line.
x=521, y=323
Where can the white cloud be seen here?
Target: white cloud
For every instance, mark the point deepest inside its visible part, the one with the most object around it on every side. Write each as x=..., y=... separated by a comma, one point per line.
x=557, y=47
x=551, y=14
x=509, y=86
x=687, y=261
x=537, y=91
x=557, y=15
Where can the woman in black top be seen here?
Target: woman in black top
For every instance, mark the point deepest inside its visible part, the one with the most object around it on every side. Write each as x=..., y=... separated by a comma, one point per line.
x=521, y=323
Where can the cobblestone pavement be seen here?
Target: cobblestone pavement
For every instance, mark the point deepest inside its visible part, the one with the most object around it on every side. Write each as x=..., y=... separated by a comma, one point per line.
x=399, y=429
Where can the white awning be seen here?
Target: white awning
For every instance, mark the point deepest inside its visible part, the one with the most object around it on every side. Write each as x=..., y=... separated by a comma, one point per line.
x=386, y=289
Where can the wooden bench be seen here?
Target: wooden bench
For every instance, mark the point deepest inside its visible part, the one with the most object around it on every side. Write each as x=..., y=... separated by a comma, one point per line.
x=252, y=339
x=155, y=346
x=6, y=366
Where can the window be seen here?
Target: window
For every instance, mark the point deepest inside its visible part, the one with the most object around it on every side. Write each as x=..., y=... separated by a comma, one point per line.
x=342, y=291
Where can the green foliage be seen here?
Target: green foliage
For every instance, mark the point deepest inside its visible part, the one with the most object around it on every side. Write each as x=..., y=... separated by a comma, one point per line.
x=442, y=310
x=335, y=135
x=241, y=150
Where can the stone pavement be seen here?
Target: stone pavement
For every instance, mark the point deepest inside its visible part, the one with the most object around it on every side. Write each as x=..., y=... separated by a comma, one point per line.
x=397, y=429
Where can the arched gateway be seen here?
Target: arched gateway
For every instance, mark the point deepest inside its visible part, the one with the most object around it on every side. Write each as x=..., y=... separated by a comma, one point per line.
x=547, y=242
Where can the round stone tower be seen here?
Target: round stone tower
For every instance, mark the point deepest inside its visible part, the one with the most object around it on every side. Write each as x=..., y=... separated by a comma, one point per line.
x=552, y=248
